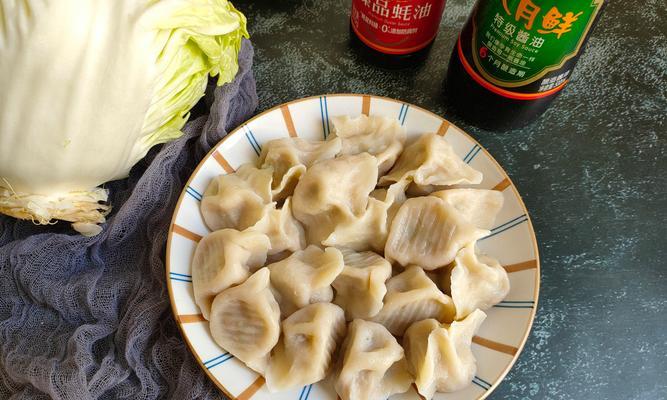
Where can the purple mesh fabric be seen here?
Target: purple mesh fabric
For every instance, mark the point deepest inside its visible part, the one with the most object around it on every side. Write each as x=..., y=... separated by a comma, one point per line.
x=89, y=318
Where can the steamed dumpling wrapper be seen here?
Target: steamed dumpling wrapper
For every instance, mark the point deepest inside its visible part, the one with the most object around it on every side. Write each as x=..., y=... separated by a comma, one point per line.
x=431, y=161
x=305, y=277
x=360, y=287
x=370, y=230
x=371, y=364
x=367, y=232
x=412, y=296
x=477, y=206
x=237, y=200
x=428, y=232
x=382, y=137
x=440, y=356
x=475, y=282
x=333, y=192
x=225, y=258
x=284, y=232
x=289, y=158
x=307, y=344
x=245, y=320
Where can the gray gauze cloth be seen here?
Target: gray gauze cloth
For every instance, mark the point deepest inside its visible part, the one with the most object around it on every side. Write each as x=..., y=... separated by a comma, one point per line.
x=89, y=318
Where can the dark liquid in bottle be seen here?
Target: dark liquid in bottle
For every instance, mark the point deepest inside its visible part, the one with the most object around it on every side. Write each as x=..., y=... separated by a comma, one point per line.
x=384, y=60
x=500, y=99
x=485, y=109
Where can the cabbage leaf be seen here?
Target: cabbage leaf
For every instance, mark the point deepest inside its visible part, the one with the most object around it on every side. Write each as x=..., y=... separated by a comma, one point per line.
x=88, y=87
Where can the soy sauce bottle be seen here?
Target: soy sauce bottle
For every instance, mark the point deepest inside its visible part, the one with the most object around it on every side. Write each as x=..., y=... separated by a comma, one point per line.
x=513, y=57
x=395, y=33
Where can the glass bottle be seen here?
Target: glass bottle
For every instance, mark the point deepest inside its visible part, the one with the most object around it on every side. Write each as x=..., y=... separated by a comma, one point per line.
x=395, y=33
x=513, y=57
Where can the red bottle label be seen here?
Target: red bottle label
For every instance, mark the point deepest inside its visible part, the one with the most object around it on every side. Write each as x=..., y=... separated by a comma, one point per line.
x=396, y=26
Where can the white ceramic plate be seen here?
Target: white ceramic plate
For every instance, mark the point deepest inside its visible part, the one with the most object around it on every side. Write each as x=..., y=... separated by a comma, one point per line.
x=512, y=242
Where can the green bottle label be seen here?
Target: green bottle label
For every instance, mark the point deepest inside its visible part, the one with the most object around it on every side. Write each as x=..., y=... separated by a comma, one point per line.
x=517, y=42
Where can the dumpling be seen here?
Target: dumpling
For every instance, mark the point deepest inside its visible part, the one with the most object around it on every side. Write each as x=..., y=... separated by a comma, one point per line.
x=283, y=230
x=372, y=364
x=245, y=320
x=305, y=277
x=333, y=192
x=439, y=356
x=360, y=287
x=475, y=282
x=412, y=296
x=225, y=258
x=382, y=137
x=394, y=196
x=290, y=157
x=478, y=206
x=431, y=161
x=428, y=232
x=369, y=232
x=306, y=347
x=237, y=200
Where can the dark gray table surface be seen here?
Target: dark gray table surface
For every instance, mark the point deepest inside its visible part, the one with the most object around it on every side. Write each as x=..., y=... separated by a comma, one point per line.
x=591, y=172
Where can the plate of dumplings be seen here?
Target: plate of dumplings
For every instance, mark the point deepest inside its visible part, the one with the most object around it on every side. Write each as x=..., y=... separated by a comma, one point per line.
x=352, y=247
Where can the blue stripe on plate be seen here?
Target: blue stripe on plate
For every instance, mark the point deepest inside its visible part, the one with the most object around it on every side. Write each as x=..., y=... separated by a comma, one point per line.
x=252, y=140
x=518, y=301
x=405, y=113
x=305, y=392
x=183, y=275
x=214, y=359
x=326, y=112
x=224, y=358
x=474, y=154
x=465, y=159
x=512, y=306
x=192, y=192
x=507, y=225
x=481, y=383
x=325, y=120
x=482, y=380
x=508, y=222
x=173, y=278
